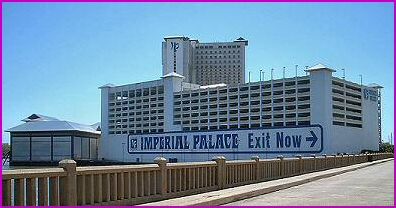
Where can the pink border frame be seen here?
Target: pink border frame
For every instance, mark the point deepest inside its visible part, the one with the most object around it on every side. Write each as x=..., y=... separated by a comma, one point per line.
x=1, y=52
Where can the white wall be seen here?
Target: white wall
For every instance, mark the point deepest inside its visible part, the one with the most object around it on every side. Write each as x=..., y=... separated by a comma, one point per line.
x=370, y=122
x=104, y=123
x=336, y=138
x=171, y=84
x=321, y=102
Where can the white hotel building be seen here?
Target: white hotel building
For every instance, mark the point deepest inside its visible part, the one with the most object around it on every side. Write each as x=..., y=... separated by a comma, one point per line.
x=348, y=113
x=204, y=63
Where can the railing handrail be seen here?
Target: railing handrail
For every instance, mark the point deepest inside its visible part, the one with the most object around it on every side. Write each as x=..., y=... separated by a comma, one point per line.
x=240, y=162
x=268, y=160
x=33, y=173
x=293, y=159
x=115, y=169
x=191, y=164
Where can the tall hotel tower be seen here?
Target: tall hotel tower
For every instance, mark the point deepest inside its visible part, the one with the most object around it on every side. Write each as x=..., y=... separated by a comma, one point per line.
x=204, y=63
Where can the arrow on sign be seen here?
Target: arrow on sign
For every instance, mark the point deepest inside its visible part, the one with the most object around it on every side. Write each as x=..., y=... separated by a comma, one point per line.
x=312, y=139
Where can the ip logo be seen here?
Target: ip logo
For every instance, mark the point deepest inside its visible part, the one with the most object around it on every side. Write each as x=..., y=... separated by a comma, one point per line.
x=174, y=46
x=132, y=143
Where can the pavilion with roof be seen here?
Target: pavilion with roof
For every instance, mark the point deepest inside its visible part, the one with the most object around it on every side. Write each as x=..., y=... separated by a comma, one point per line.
x=47, y=139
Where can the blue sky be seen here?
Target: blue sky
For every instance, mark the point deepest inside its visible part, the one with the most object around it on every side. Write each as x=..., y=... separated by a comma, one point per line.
x=56, y=55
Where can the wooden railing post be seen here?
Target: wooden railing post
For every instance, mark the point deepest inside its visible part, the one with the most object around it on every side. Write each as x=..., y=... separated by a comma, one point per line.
x=349, y=158
x=334, y=162
x=6, y=187
x=161, y=161
x=221, y=171
x=314, y=159
x=369, y=157
x=342, y=159
x=301, y=163
x=68, y=185
x=354, y=158
x=325, y=159
x=281, y=168
x=257, y=169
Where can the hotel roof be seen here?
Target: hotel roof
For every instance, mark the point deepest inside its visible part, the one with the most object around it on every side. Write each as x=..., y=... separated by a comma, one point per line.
x=319, y=66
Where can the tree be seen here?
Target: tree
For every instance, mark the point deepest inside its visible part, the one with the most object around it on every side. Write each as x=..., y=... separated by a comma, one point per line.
x=386, y=147
x=5, y=148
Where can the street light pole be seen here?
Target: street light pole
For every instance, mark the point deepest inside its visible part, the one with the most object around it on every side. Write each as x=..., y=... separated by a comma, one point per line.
x=361, y=79
x=343, y=73
x=296, y=70
x=263, y=75
x=261, y=71
x=272, y=73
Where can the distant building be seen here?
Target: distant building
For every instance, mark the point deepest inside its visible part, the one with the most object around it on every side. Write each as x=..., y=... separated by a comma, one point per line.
x=46, y=139
x=205, y=63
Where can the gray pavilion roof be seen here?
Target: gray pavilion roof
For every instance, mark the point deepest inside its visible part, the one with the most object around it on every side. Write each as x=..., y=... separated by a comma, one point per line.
x=40, y=123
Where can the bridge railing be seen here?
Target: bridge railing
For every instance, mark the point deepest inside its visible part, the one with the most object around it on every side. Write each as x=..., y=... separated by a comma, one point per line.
x=36, y=186
x=136, y=184
x=268, y=169
x=190, y=177
x=117, y=185
x=240, y=172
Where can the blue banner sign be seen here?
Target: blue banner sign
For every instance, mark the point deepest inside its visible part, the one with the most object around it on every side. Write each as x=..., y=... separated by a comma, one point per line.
x=306, y=139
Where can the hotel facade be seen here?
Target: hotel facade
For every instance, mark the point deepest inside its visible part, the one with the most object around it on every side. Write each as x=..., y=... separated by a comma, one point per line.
x=188, y=101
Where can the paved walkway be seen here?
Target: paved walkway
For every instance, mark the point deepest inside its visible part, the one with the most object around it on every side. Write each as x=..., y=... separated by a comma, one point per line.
x=372, y=185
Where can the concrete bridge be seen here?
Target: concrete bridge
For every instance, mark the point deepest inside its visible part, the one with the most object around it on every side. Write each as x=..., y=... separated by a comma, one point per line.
x=373, y=185
x=138, y=184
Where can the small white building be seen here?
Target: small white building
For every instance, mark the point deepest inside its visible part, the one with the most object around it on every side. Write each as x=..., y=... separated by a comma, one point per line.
x=47, y=139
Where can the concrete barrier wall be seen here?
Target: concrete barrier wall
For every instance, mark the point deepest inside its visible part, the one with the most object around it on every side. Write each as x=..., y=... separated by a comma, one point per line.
x=135, y=184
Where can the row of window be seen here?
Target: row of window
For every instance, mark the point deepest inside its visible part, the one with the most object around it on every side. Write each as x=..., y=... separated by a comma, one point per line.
x=153, y=105
x=215, y=57
x=218, y=78
x=347, y=86
x=137, y=125
x=219, y=46
x=139, y=118
x=123, y=95
x=347, y=109
x=351, y=102
x=223, y=96
x=152, y=100
x=339, y=123
x=266, y=90
x=347, y=94
x=218, y=62
x=243, y=126
x=244, y=108
x=291, y=103
x=138, y=131
x=207, y=67
x=234, y=117
x=138, y=113
x=342, y=116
